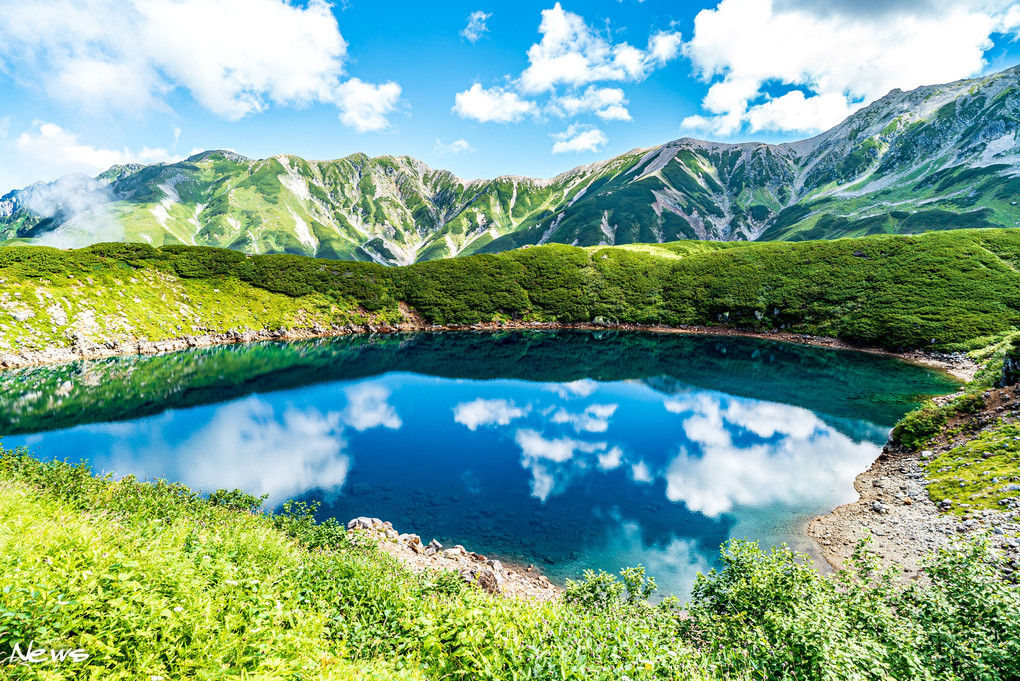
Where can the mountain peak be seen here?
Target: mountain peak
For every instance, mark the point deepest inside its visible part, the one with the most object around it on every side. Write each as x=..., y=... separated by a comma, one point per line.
x=937, y=157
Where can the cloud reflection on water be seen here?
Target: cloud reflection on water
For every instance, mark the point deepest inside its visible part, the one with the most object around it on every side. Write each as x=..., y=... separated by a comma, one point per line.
x=742, y=453
x=251, y=445
x=728, y=453
x=246, y=445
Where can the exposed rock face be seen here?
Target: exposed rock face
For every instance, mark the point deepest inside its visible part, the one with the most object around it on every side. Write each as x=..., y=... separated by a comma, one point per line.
x=937, y=157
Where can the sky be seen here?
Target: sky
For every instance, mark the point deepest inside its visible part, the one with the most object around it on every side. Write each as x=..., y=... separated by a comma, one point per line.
x=479, y=88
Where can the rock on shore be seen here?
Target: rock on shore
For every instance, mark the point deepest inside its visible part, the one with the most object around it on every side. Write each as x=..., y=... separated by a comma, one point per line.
x=490, y=575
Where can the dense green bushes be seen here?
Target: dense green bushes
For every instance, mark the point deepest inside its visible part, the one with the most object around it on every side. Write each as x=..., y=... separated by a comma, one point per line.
x=153, y=580
x=939, y=290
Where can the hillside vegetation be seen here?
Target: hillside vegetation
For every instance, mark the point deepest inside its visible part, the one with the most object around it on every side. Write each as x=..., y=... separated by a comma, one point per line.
x=938, y=290
x=154, y=581
x=940, y=157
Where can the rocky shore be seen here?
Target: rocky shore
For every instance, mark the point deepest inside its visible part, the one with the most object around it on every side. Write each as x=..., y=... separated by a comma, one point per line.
x=905, y=525
x=893, y=508
x=957, y=365
x=488, y=574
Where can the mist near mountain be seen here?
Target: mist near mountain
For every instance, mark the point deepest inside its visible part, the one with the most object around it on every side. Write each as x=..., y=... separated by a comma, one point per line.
x=938, y=157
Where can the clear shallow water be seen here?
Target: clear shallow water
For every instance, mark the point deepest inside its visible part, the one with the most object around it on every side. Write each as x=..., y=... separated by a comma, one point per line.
x=569, y=450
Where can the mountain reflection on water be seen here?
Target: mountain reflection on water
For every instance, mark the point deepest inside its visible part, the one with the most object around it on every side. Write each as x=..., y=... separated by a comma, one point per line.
x=569, y=450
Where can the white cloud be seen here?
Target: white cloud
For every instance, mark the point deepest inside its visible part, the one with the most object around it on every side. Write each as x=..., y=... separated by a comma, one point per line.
x=492, y=105
x=5, y=125
x=664, y=46
x=594, y=419
x=47, y=151
x=569, y=57
x=364, y=106
x=842, y=58
x=548, y=459
x=572, y=53
x=558, y=450
x=235, y=57
x=455, y=148
x=49, y=144
x=579, y=138
x=476, y=27
x=367, y=407
x=607, y=103
x=482, y=412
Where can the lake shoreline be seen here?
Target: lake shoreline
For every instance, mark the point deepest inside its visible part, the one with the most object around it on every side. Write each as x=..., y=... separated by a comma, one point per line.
x=957, y=365
x=895, y=510
x=833, y=533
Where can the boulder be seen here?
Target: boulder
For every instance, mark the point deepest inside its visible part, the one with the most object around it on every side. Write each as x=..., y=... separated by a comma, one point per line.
x=485, y=579
x=360, y=523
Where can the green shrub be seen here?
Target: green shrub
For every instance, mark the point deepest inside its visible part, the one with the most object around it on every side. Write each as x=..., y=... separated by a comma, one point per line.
x=919, y=426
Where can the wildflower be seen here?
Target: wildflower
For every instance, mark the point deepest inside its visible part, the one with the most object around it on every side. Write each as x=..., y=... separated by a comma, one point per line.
x=178, y=609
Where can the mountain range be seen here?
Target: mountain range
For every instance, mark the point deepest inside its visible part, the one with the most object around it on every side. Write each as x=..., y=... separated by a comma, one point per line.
x=937, y=157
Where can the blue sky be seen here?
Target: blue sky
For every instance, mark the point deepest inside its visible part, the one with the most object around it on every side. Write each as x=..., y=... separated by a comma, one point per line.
x=526, y=88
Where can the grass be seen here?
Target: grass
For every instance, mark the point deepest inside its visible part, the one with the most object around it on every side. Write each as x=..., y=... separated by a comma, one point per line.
x=979, y=472
x=157, y=581
x=154, y=580
x=976, y=473
x=939, y=290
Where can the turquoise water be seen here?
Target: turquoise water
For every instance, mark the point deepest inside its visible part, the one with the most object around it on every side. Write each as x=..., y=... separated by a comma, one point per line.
x=566, y=450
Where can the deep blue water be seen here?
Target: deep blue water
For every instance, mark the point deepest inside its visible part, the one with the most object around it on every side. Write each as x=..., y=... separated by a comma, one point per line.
x=564, y=450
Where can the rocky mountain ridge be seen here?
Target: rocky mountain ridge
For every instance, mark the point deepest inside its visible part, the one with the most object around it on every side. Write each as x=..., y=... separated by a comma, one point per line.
x=938, y=157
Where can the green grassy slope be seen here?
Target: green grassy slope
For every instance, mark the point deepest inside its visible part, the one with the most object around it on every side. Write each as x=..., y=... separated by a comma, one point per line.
x=154, y=581
x=939, y=290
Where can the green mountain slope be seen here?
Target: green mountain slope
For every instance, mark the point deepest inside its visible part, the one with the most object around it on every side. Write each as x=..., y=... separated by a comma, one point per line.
x=938, y=157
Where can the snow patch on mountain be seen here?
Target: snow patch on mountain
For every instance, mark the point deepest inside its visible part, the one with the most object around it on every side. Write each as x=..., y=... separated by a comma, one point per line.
x=304, y=234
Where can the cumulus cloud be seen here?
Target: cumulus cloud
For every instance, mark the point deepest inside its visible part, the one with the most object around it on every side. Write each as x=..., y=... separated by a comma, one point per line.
x=572, y=53
x=607, y=103
x=558, y=450
x=365, y=106
x=235, y=57
x=565, y=68
x=547, y=459
x=454, y=148
x=49, y=144
x=611, y=459
x=492, y=105
x=640, y=472
x=578, y=139
x=47, y=152
x=830, y=58
x=476, y=27
x=482, y=412
x=368, y=407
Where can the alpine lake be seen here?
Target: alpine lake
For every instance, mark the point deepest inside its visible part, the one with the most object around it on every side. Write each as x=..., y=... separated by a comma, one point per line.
x=568, y=450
